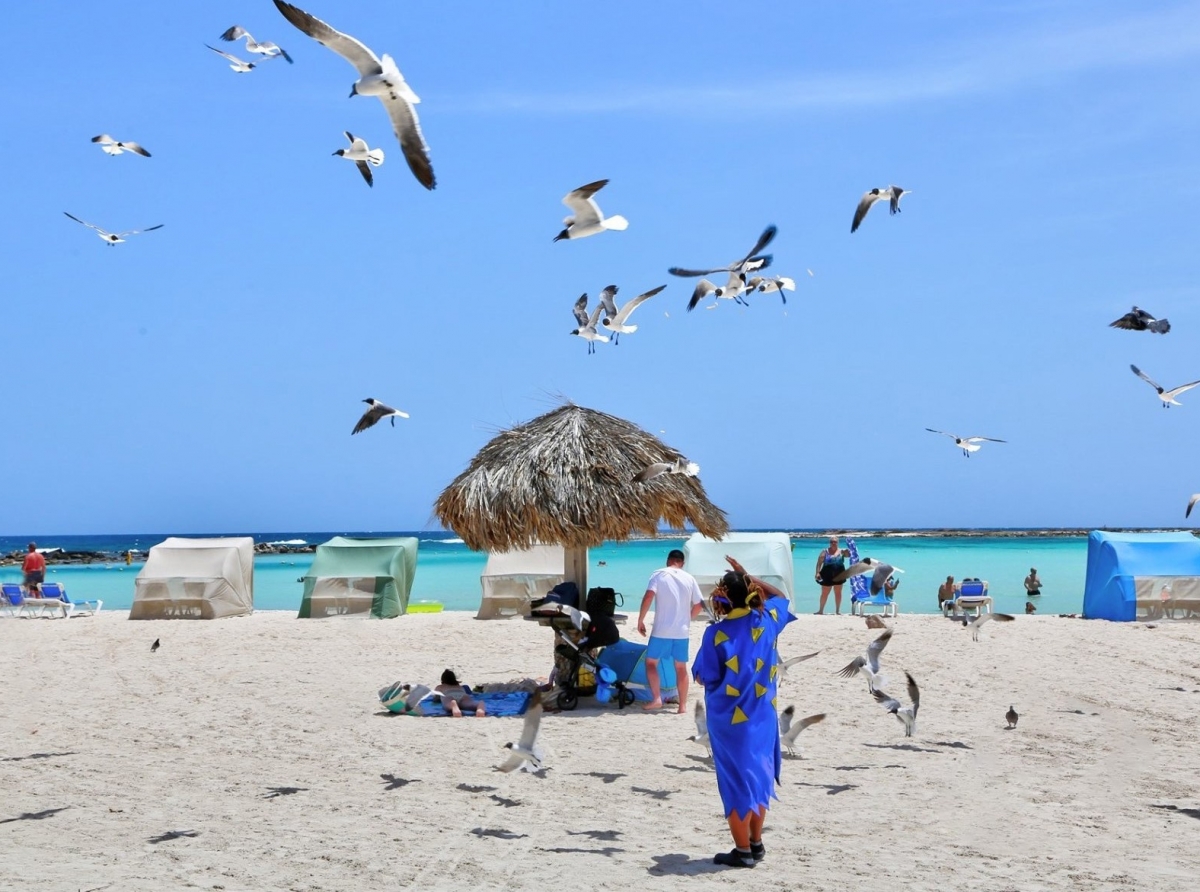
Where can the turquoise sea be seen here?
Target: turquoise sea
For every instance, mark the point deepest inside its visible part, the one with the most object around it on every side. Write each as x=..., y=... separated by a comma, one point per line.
x=448, y=571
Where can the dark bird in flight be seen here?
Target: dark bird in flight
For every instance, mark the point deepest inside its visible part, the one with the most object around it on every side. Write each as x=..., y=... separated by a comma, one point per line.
x=1138, y=319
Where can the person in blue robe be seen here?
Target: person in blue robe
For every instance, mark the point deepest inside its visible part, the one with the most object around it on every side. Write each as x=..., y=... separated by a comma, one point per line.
x=736, y=664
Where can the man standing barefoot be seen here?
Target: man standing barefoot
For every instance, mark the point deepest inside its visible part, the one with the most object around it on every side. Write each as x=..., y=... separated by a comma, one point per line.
x=676, y=599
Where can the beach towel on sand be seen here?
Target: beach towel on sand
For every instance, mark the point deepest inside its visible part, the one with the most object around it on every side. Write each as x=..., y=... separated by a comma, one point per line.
x=505, y=703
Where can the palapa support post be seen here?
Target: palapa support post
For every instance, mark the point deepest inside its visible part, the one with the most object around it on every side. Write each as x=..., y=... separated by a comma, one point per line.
x=575, y=569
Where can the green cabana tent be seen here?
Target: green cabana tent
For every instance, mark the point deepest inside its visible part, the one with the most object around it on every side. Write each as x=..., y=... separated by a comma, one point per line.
x=360, y=576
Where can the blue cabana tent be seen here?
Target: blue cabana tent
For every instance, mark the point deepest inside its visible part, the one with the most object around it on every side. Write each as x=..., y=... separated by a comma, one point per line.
x=1128, y=571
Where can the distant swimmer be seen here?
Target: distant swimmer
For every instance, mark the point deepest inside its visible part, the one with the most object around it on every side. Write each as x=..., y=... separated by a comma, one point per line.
x=1033, y=585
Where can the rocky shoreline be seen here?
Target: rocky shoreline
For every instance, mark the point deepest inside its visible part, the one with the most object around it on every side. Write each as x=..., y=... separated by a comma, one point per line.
x=59, y=556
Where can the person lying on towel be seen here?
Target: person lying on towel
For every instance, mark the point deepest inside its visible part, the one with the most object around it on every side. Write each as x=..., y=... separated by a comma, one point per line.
x=457, y=697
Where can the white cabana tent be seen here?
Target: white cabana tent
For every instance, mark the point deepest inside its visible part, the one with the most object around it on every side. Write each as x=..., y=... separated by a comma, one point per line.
x=511, y=579
x=765, y=555
x=195, y=579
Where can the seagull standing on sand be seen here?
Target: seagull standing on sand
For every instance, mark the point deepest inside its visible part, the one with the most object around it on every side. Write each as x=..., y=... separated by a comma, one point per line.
x=790, y=730
x=114, y=147
x=266, y=48
x=1011, y=717
x=967, y=444
x=906, y=714
x=587, y=325
x=892, y=193
x=525, y=752
x=868, y=664
x=615, y=320
x=977, y=621
x=738, y=269
x=1167, y=396
x=586, y=217
x=378, y=77
x=238, y=65
x=679, y=466
x=113, y=238
x=362, y=155
x=1138, y=319
x=701, y=735
x=1191, y=504
x=375, y=414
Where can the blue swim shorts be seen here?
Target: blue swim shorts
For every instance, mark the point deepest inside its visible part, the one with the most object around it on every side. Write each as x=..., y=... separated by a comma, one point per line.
x=667, y=649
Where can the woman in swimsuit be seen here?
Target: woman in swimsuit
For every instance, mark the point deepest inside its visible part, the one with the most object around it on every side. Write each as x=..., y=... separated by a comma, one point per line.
x=829, y=565
x=456, y=697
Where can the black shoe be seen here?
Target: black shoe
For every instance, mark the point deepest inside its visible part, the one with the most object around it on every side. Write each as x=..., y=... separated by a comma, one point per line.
x=734, y=858
x=758, y=851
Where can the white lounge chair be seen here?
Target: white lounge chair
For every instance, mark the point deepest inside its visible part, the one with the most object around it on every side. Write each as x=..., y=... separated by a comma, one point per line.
x=972, y=595
x=54, y=598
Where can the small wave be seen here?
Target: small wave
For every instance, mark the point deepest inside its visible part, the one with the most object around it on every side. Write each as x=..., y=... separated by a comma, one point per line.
x=288, y=542
x=445, y=541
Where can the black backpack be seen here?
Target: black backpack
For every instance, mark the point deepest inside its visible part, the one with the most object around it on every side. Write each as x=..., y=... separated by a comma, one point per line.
x=603, y=601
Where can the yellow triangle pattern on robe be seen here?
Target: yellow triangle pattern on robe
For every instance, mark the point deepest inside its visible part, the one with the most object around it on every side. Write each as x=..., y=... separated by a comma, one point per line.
x=758, y=664
x=732, y=663
x=759, y=690
x=774, y=614
x=720, y=638
x=731, y=691
x=774, y=672
x=775, y=702
x=756, y=632
x=738, y=716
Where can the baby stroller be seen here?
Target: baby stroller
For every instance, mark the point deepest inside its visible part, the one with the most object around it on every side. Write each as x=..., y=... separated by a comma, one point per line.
x=578, y=672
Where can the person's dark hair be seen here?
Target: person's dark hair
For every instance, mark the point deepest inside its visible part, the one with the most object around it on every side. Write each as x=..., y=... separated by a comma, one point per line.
x=737, y=589
x=32, y=546
x=675, y=555
x=448, y=677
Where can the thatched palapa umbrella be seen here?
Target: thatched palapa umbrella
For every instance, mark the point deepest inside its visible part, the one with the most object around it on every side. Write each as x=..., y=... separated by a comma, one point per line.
x=566, y=478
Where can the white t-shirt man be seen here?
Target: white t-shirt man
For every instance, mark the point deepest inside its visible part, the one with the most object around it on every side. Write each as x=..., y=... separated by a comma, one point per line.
x=675, y=593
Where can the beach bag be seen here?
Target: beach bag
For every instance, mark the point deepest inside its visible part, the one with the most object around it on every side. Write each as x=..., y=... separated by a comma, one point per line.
x=564, y=593
x=603, y=601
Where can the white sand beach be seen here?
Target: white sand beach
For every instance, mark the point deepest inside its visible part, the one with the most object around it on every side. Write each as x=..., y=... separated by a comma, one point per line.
x=247, y=754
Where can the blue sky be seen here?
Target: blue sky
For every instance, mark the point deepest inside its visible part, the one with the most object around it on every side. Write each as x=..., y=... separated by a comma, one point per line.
x=206, y=376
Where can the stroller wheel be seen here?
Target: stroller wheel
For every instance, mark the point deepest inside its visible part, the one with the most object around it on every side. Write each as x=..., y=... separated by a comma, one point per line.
x=624, y=698
x=568, y=699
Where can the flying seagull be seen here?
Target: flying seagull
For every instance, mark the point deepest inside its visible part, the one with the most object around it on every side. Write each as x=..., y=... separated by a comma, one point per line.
x=679, y=466
x=967, y=444
x=377, y=77
x=1138, y=319
x=1167, y=396
x=892, y=193
x=977, y=621
x=587, y=325
x=586, y=217
x=785, y=665
x=771, y=285
x=1011, y=717
x=113, y=238
x=615, y=320
x=525, y=753
x=751, y=262
x=790, y=730
x=238, y=65
x=361, y=154
x=906, y=714
x=115, y=147
x=375, y=414
x=701, y=735
x=879, y=573
x=1191, y=504
x=266, y=48
x=155, y=646
x=868, y=664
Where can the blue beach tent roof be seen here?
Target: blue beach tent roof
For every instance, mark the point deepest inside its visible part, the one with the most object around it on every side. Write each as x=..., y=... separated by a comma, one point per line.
x=1116, y=561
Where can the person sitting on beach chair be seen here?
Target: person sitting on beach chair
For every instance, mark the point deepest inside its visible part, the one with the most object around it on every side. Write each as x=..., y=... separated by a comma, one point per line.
x=457, y=697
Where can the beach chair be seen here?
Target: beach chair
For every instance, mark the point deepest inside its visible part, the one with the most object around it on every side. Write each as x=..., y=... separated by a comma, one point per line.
x=54, y=591
x=858, y=606
x=972, y=596
x=20, y=604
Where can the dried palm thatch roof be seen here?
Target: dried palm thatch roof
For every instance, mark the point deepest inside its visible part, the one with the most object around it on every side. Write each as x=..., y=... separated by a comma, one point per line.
x=566, y=478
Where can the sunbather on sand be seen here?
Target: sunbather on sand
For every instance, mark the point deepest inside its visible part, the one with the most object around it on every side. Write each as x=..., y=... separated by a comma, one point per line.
x=456, y=697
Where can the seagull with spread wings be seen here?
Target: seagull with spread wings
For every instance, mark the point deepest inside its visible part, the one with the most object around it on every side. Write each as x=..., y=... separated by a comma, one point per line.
x=113, y=238
x=868, y=664
x=586, y=217
x=701, y=735
x=378, y=77
x=783, y=665
x=976, y=621
x=906, y=714
x=525, y=752
x=586, y=328
x=1138, y=319
x=1167, y=396
x=737, y=270
x=679, y=466
x=115, y=147
x=770, y=285
x=239, y=65
x=362, y=155
x=967, y=444
x=616, y=319
x=880, y=572
x=375, y=414
x=892, y=193
x=265, y=48
x=789, y=729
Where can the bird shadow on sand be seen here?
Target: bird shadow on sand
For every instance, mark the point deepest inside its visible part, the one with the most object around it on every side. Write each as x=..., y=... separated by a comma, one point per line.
x=599, y=835
x=55, y=755
x=699, y=768
x=677, y=864
x=830, y=789
x=854, y=767
x=954, y=744
x=506, y=803
x=607, y=851
x=173, y=834
x=608, y=778
x=907, y=747
x=1190, y=812
x=395, y=783
x=653, y=794
x=498, y=833
x=476, y=788
x=276, y=792
x=35, y=815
